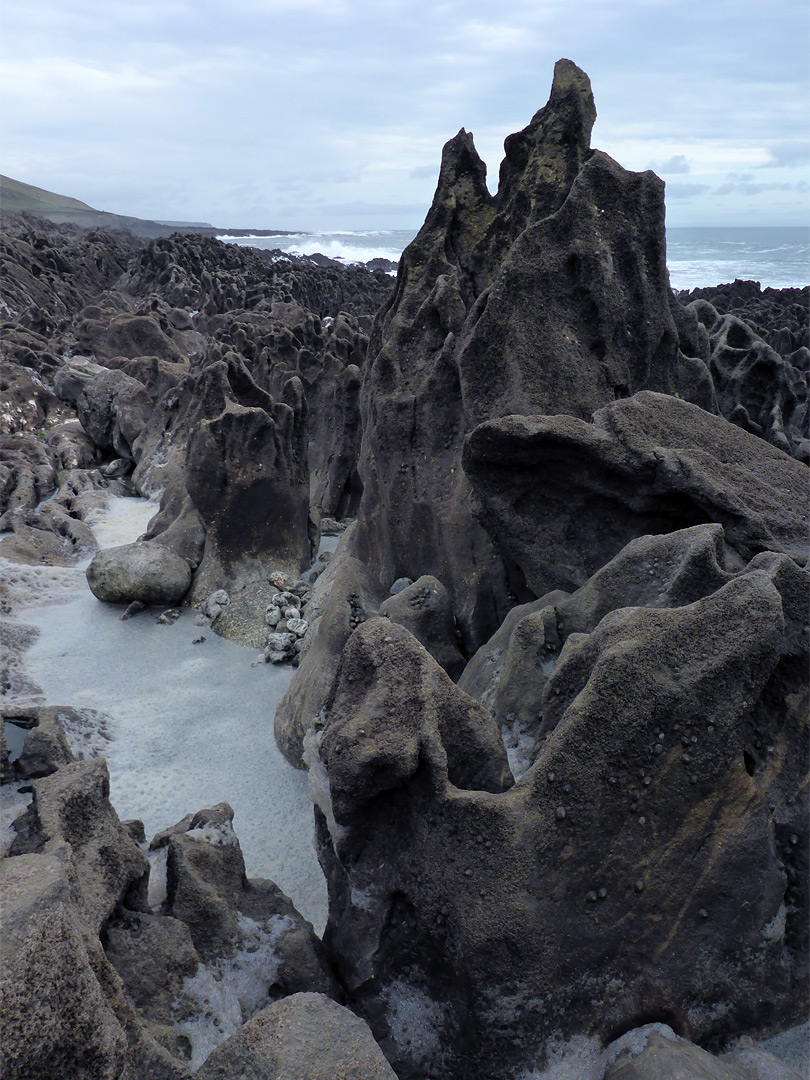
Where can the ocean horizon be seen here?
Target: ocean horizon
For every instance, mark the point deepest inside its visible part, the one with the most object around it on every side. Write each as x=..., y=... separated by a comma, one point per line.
x=777, y=257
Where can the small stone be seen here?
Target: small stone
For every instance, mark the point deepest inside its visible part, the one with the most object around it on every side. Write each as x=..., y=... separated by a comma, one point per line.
x=198, y=640
x=215, y=602
x=639, y=886
x=647, y=781
x=169, y=617
x=602, y=893
x=132, y=609
x=291, y=613
x=550, y=777
x=560, y=813
x=278, y=579
x=703, y=913
x=642, y=820
x=658, y=749
x=591, y=897
x=272, y=616
x=468, y=873
x=297, y=626
x=400, y=584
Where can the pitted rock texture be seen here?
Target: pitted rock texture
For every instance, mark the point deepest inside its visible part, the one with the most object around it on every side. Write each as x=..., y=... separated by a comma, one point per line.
x=641, y=862
x=550, y=296
x=562, y=496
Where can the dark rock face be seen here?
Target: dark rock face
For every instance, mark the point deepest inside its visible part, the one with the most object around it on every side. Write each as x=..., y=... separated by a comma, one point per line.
x=645, y=465
x=604, y=822
x=757, y=388
x=551, y=296
x=592, y=841
x=354, y=596
x=45, y=748
x=424, y=608
x=246, y=473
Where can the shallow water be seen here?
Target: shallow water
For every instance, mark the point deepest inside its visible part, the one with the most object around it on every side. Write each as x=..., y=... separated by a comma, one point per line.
x=189, y=725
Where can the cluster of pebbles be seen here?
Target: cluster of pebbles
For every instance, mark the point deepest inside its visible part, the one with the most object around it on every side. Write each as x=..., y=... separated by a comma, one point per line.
x=284, y=614
x=284, y=617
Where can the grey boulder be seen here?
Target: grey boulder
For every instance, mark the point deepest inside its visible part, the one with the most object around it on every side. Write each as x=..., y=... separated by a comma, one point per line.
x=302, y=1037
x=145, y=571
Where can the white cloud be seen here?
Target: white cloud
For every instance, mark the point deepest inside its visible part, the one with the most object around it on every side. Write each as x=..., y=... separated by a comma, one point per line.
x=184, y=99
x=676, y=164
x=494, y=37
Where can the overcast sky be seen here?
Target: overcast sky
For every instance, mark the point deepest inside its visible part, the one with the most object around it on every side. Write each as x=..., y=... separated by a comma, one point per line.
x=331, y=114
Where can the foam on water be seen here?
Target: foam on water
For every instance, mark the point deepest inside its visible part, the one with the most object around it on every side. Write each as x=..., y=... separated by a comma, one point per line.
x=188, y=725
x=356, y=246
x=696, y=257
x=230, y=991
x=778, y=258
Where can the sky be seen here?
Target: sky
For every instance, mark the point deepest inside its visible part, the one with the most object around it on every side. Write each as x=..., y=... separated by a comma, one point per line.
x=331, y=114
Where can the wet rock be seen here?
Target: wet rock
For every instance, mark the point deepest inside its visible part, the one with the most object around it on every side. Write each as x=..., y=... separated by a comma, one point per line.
x=227, y=914
x=247, y=475
x=550, y=297
x=45, y=748
x=27, y=472
x=154, y=955
x=71, y=379
x=303, y=1037
x=113, y=409
x=400, y=584
x=655, y=1052
x=64, y=1009
x=144, y=571
x=513, y=674
x=756, y=387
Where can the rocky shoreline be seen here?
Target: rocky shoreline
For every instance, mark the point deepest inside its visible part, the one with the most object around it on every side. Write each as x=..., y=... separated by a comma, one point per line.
x=550, y=690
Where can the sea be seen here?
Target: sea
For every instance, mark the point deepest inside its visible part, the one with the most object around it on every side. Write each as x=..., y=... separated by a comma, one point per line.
x=697, y=257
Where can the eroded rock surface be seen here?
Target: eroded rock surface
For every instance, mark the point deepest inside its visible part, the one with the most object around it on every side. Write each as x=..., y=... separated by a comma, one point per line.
x=550, y=296
x=644, y=773
x=648, y=464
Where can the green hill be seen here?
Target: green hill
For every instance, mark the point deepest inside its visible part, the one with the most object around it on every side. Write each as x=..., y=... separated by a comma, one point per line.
x=16, y=196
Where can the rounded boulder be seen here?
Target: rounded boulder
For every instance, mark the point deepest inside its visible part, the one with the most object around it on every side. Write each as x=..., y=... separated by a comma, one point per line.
x=144, y=571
